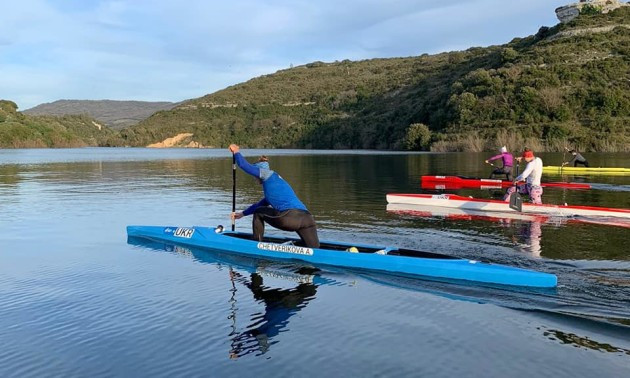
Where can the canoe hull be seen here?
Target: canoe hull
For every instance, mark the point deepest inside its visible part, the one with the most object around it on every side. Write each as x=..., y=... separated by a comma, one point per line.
x=455, y=201
x=440, y=268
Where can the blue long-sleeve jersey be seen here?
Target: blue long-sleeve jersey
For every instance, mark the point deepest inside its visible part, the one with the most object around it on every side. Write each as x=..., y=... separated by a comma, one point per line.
x=278, y=193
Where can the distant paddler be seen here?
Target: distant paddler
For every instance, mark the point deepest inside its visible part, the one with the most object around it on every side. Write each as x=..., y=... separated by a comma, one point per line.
x=280, y=207
x=577, y=159
x=508, y=163
x=531, y=175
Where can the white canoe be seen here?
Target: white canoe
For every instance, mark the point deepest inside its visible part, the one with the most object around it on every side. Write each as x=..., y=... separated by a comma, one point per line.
x=455, y=201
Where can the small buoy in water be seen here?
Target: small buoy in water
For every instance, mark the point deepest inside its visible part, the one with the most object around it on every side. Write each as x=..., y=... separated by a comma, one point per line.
x=353, y=250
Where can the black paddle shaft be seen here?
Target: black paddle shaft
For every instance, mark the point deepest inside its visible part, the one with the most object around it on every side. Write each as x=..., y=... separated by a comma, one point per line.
x=233, y=190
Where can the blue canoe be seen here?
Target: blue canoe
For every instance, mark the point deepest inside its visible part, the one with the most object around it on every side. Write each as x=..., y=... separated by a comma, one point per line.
x=377, y=258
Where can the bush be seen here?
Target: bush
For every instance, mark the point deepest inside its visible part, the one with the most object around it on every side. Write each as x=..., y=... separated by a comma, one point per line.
x=418, y=137
x=315, y=64
x=508, y=55
x=8, y=106
x=554, y=132
x=543, y=32
x=590, y=9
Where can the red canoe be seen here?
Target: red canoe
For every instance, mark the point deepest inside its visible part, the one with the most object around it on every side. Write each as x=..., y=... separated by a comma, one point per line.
x=459, y=182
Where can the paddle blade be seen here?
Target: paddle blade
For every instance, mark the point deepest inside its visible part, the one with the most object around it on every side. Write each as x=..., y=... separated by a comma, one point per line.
x=516, y=202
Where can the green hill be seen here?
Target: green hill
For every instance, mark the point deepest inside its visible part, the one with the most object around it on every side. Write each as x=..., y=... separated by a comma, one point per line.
x=565, y=85
x=18, y=130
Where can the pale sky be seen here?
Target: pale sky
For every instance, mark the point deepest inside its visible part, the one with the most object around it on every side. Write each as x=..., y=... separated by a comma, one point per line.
x=167, y=50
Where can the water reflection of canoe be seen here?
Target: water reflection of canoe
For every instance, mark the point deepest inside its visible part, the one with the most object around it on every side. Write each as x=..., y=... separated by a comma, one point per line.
x=459, y=182
x=463, y=214
x=377, y=258
x=428, y=211
x=286, y=272
x=480, y=204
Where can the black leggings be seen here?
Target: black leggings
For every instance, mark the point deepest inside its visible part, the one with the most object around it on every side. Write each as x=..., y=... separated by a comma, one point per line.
x=299, y=221
x=584, y=163
x=507, y=171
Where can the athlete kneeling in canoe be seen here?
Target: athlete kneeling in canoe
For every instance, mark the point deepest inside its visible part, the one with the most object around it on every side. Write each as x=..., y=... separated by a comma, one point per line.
x=577, y=159
x=532, y=173
x=280, y=207
x=508, y=162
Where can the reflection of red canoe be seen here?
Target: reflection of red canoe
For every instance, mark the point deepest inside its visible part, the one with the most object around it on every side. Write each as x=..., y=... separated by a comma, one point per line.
x=458, y=182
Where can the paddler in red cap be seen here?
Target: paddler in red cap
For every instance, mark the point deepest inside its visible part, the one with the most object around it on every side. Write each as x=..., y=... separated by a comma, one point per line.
x=531, y=175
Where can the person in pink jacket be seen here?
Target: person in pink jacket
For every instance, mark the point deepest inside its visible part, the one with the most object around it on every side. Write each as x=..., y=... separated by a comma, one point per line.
x=508, y=163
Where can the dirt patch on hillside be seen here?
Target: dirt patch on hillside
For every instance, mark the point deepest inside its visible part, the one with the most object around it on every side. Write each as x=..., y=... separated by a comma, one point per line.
x=179, y=140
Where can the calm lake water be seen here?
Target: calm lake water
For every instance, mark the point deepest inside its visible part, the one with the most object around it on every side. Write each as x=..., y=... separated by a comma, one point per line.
x=78, y=300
